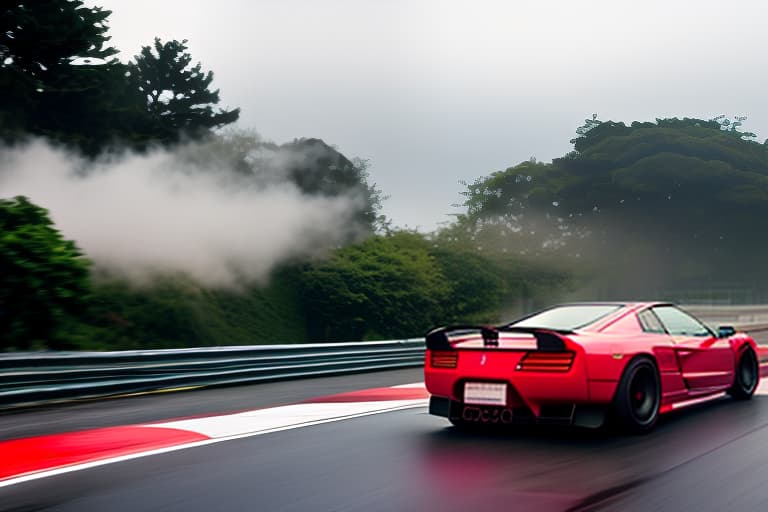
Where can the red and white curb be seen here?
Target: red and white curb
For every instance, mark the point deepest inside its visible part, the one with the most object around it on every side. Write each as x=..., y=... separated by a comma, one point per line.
x=22, y=460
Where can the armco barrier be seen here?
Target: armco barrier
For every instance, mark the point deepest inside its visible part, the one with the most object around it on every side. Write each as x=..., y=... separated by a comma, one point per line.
x=744, y=315
x=42, y=377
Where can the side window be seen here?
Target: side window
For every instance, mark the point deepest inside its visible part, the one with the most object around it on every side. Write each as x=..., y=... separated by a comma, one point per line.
x=650, y=322
x=679, y=323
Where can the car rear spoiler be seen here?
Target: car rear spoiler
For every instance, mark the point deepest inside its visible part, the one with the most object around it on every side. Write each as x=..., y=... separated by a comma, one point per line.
x=547, y=340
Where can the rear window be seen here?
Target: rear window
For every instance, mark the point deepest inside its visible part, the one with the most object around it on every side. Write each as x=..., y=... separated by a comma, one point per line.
x=568, y=317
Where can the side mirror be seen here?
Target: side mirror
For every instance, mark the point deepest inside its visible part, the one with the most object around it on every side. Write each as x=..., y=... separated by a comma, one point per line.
x=725, y=330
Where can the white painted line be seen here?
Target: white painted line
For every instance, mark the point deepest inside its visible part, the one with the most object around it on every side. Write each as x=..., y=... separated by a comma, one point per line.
x=287, y=416
x=413, y=385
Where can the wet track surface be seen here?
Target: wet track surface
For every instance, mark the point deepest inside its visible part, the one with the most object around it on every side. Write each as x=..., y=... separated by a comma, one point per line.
x=709, y=457
x=706, y=457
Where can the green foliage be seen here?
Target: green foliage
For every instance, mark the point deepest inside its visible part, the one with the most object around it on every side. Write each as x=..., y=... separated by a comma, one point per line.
x=57, y=74
x=177, y=94
x=400, y=284
x=476, y=285
x=388, y=285
x=733, y=126
x=396, y=285
x=176, y=312
x=491, y=282
x=60, y=81
x=652, y=204
x=43, y=278
x=582, y=131
x=43, y=36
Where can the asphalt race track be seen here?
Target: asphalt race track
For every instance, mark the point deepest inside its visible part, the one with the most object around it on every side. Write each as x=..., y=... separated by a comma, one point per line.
x=711, y=456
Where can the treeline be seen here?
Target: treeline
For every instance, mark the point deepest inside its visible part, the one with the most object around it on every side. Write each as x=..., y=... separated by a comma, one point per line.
x=645, y=207
x=392, y=285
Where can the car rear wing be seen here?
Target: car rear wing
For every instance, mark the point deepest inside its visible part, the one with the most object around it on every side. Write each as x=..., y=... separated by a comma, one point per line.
x=451, y=336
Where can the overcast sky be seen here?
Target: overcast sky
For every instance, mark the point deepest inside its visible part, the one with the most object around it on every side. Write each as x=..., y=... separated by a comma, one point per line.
x=435, y=91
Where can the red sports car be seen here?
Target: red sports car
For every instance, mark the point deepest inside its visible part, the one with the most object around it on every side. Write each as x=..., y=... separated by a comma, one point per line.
x=581, y=363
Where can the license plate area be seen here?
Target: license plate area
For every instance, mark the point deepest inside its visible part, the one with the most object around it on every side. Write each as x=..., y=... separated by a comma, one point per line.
x=485, y=393
x=487, y=414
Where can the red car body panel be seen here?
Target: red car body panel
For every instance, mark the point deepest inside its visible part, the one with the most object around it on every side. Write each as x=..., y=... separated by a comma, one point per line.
x=689, y=367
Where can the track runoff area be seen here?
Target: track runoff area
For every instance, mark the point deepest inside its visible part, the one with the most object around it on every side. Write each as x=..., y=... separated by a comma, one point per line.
x=33, y=458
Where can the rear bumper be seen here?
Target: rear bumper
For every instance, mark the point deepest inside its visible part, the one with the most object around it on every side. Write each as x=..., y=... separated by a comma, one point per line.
x=582, y=415
x=541, y=386
x=440, y=406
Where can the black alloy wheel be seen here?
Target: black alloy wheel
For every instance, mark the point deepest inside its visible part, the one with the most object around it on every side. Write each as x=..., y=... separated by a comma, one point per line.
x=747, y=376
x=638, y=397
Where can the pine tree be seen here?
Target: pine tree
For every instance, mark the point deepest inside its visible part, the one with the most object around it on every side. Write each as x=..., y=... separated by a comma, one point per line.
x=54, y=59
x=178, y=94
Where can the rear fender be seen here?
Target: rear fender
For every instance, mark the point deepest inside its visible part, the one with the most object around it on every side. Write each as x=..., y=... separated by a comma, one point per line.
x=606, y=364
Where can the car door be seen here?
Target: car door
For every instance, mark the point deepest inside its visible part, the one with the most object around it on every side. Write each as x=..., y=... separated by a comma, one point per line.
x=706, y=361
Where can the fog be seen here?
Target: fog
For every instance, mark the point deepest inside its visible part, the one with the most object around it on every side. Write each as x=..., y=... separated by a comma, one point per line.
x=143, y=215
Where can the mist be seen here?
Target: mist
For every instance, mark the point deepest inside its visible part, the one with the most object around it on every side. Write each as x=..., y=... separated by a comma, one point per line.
x=143, y=215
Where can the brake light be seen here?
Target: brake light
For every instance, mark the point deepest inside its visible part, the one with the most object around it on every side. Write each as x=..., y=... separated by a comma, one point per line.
x=443, y=359
x=546, y=362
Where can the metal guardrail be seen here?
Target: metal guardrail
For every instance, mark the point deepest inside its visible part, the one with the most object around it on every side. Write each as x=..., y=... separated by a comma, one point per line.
x=33, y=378
x=750, y=316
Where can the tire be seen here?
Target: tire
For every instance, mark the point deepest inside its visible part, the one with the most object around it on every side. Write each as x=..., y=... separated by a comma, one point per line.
x=638, y=397
x=747, y=376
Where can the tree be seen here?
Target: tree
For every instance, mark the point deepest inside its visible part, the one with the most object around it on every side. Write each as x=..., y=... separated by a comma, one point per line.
x=319, y=169
x=582, y=130
x=60, y=80
x=43, y=277
x=316, y=169
x=733, y=126
x=58, y=75
x=654, y=204
x=176, y=94
x=387, y=286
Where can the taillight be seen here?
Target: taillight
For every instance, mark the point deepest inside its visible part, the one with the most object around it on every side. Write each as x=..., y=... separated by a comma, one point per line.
x=443, y=359
x=546, y=362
